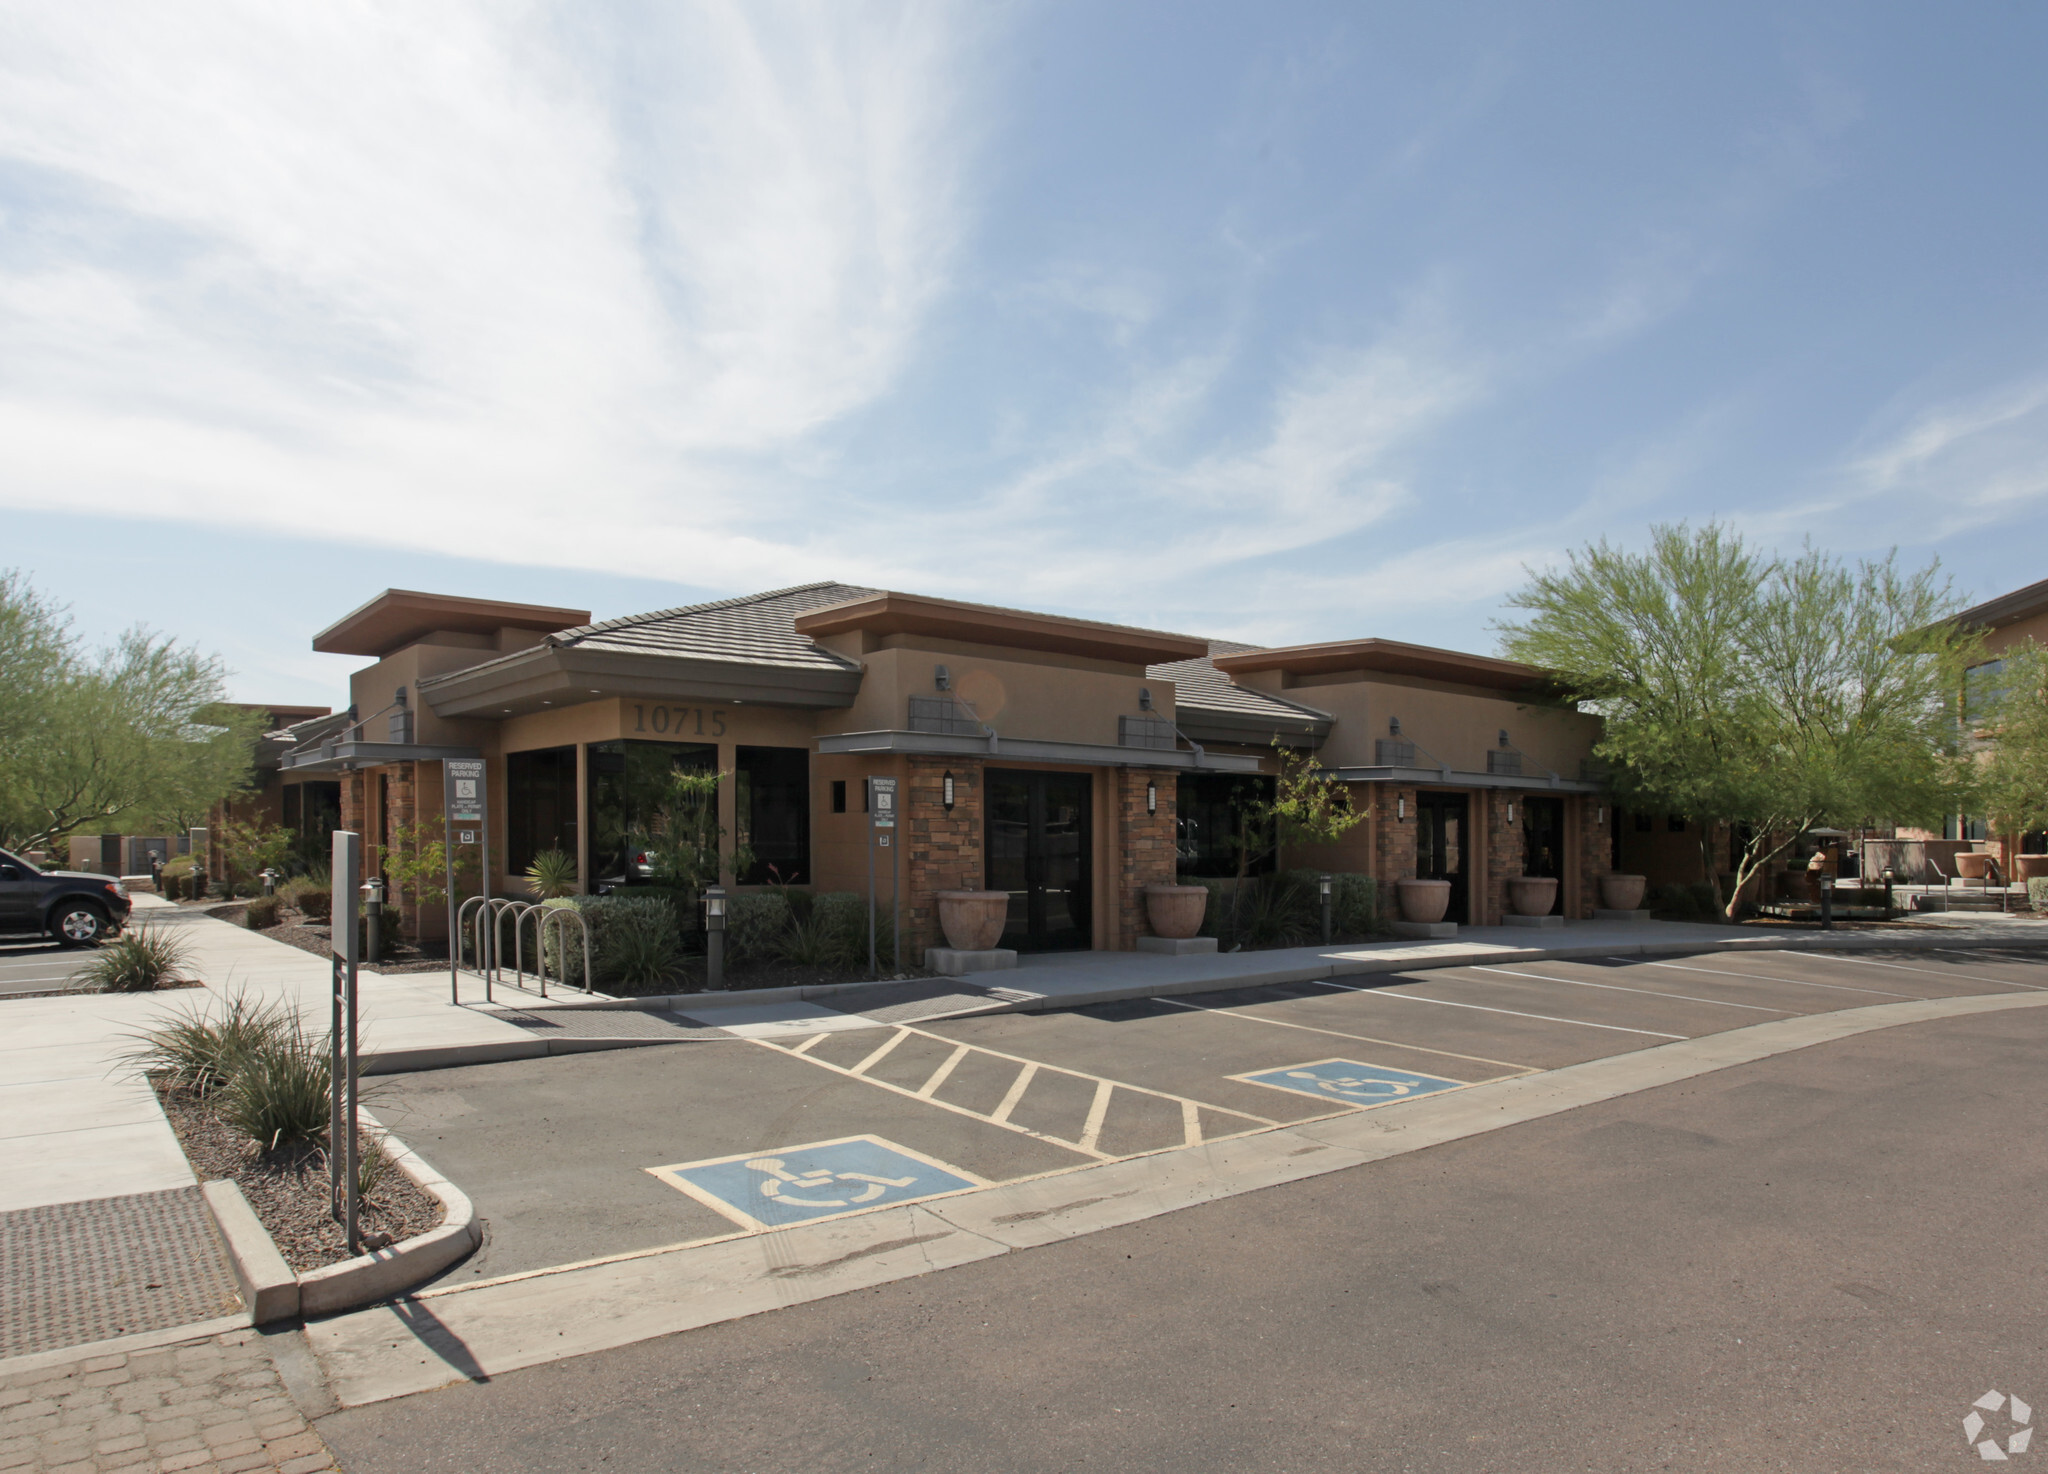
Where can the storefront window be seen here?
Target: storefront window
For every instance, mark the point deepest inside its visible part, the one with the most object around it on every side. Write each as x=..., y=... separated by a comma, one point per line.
x=540, y=804
x=1214, y=826
x=627, y=781
x=312, y=812
x=774, y=807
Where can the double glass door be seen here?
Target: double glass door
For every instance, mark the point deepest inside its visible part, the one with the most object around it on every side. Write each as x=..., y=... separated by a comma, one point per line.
x=1037, y=845
x=1441, y=843
x=1543, y=842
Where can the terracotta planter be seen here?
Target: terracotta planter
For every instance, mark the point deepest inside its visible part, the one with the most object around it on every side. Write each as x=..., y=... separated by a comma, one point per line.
x=1532, y=895
x=973, y=920
x=1620, y=892
x=1973, y=865
x=1176, y=911
x=2031, y=867
x=1424, y=900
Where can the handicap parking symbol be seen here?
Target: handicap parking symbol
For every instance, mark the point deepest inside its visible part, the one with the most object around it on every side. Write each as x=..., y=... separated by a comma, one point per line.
x=820, y=1179
x=1349, y=1081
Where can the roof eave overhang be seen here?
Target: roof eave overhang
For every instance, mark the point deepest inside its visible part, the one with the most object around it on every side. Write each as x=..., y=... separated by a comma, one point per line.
x=1458, y=778
x=566, y=674
x=1025, y=750
x=1202, y=724
x=912, y=615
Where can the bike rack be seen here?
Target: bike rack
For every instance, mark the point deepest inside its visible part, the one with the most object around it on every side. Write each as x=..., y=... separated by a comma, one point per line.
x=502, y=907
x=561, y=916
x=481, y=939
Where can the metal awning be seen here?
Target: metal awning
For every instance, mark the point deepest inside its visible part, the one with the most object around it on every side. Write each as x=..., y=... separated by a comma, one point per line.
x=1089, y=754
x=1458, y=778
x=342, y=757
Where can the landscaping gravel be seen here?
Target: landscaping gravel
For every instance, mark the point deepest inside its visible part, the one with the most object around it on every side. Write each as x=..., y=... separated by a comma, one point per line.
x=288, y=1187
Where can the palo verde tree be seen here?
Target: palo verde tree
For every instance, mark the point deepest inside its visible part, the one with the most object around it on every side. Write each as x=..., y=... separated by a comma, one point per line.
x=2006, y=725
x=1773, y=695
x=135, y=732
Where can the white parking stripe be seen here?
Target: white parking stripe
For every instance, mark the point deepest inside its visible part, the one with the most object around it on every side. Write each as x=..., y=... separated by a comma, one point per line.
x=1017, y=1088
x=1221, y=1011
x=1618, y=988
x=1516, y=1013
x=926, y=1090
x=1098, y=1111
x=880, y=1054
x=1939, y=973
x=1758, y=977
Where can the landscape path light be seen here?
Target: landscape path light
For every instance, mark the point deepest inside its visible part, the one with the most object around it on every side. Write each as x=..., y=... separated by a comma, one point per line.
x=714, y=937
x=1323, y=885
x=373, y=916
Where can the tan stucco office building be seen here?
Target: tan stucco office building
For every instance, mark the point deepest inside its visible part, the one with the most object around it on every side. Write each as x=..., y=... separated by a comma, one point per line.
x=1085, y=760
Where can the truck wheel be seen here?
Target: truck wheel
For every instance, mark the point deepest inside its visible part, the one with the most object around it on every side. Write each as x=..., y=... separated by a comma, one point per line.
x=78, y=924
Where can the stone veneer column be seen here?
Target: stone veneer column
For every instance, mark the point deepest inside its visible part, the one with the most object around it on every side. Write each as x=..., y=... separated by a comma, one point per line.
x=403, y=793
x=1147, y=851
x=941, y=851
x=1393, y=844
x=1592, y=850
x=1505, y=852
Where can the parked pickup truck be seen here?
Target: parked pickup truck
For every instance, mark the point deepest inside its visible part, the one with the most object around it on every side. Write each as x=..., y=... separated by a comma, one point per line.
x=69, y=906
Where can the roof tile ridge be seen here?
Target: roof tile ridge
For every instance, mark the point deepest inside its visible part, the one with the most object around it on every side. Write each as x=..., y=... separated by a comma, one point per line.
x=628, y=621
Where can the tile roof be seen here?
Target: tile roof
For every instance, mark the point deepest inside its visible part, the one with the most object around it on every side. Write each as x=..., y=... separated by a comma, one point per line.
x=756, y=629
x=1199, y=685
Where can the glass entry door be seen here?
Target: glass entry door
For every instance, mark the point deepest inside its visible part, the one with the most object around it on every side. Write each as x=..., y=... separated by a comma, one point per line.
x=1543, y=842
x=1441, y=840
x=1038, y=846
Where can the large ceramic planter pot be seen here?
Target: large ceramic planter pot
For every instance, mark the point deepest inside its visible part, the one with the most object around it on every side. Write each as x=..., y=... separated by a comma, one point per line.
x=1176, y=911
x=1533, y=895
x=973, y=920
x=1424, y=900
x=2031, y=867
x=1973, y=865
x=1620, y=892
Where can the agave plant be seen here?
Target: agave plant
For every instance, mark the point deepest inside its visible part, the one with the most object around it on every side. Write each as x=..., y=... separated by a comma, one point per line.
x=552, y=874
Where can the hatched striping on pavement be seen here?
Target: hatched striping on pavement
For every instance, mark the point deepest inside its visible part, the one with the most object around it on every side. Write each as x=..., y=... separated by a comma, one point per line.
x=74, y=1273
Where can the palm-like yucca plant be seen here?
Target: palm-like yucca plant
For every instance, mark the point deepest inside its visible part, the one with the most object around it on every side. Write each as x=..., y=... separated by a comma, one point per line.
x=552, y=874
x=137, y=962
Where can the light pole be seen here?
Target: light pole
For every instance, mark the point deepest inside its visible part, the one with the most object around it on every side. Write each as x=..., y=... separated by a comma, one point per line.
x=714, y=937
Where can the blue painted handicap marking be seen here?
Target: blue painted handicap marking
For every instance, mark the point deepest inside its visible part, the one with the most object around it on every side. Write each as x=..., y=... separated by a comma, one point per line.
x=821, y=1179
x=1349, y=1081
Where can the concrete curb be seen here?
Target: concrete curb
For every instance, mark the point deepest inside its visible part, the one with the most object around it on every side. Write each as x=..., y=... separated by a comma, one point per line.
x=695, y=1003
x=273, y=1293
x=204, y=1330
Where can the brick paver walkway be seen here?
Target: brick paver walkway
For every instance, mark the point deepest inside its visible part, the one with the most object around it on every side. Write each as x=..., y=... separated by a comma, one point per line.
x=212, y=1406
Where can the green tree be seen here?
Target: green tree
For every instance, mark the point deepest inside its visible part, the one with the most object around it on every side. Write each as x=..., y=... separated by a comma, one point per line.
x=135, y=732
x=1307, y=808
x=1770, y=694
x=681, y=834
x=251, y=848
x=2006, y=719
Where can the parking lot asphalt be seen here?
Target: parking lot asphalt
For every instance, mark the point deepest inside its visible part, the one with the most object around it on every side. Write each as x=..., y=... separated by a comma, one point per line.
x=1819, y=1260
x=38, y=967
x=562, y=1155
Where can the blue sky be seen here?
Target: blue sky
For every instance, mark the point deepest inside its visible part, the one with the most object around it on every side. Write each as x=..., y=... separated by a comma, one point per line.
x=1277, y=323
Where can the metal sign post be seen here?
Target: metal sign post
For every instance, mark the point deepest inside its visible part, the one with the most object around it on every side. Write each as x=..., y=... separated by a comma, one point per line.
x=343, y=1165
x=464, y=817
x=882, y=833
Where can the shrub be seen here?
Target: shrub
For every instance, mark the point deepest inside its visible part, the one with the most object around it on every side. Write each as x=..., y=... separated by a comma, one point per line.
x=640, y=957
x=176, y=879
x=137, y=962
x=279, y=1093
x=1693, y=902
x=201, y=1053
x=262, y=912
x=317, y=904
x=840, y=920
x=757, y=926
x=2037, y=893
x=633, y=938
x=293, y=892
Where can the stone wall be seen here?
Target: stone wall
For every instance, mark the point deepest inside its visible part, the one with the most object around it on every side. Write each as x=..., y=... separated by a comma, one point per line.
x=1594, y=848
x=1506, y=849
x=1145, y=851
x=941, y=851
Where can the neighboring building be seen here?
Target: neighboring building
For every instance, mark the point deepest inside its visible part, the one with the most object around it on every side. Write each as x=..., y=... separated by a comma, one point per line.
x=1086, y=760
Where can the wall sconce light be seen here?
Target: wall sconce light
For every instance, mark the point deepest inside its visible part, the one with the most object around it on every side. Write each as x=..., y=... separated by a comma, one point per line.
x=1600, y=816
x=946, y=792
x=1151, y=797
x=1503, y=736
x=1511, y=812
x=942, y=678
x=1400, y=808
x=1144, y=698
x=1393, y=726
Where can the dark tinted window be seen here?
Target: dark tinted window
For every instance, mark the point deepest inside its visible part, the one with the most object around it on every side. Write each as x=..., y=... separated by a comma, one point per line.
x=774, y=808
x=627, y=780
x=540, y=804
x=1213, y=823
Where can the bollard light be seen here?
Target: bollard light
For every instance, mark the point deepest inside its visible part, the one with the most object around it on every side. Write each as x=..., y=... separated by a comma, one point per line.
x=714, y=937
x=269, y=878
x=373, y=917
x=1323, y=885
